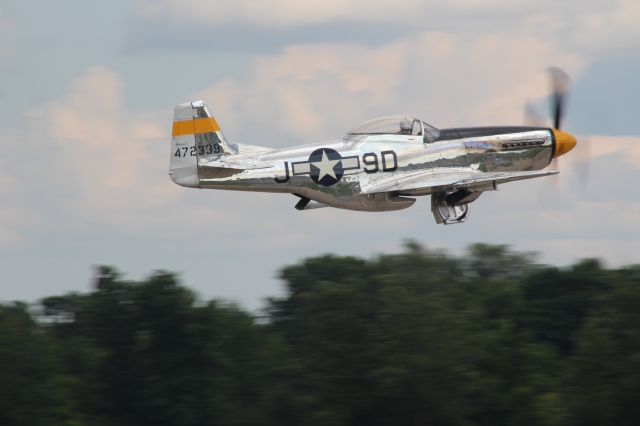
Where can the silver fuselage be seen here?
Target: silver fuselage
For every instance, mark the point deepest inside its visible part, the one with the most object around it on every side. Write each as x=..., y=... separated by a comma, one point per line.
x=367, y=158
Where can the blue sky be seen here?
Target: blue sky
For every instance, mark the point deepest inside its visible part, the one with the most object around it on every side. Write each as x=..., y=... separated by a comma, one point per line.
x=88, y=90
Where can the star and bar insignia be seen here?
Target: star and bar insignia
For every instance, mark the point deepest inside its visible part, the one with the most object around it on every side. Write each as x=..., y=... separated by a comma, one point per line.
x=325, y=166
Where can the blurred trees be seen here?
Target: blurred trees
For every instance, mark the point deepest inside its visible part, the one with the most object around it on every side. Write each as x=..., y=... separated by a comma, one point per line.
x=33, y=387
x=422, y=337
x=149, y=353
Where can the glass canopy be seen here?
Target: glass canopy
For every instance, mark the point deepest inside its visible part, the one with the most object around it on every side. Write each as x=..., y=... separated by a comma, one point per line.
x=396, y=125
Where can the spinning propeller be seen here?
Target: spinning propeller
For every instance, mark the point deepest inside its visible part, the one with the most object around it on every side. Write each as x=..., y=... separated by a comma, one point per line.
x=564, y=141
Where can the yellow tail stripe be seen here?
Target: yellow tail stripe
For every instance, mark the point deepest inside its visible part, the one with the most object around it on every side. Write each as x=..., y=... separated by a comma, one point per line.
x=195, y=126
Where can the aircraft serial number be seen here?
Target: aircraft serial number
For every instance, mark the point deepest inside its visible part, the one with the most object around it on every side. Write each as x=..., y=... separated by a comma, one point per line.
x=192, y=151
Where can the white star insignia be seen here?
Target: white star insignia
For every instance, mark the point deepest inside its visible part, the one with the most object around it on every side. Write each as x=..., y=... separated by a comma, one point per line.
x=326, y=166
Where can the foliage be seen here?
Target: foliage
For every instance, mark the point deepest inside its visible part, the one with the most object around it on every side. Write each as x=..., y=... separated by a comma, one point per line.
x=422, y=337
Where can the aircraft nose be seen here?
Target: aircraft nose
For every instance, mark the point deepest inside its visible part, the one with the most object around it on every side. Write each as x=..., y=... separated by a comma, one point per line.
x=564, y=142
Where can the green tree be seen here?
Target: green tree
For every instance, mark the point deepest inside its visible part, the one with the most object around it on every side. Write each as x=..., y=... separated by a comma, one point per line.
x=415, y=338
x=558, y=300
x=605, y=374
x=155, y=355
x=420, y=337
x=33, y=390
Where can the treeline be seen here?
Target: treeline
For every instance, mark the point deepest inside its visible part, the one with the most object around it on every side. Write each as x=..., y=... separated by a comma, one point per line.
x=418, y=338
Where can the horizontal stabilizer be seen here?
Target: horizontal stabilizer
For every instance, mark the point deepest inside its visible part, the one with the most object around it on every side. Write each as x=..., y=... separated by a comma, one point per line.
x=234, y=162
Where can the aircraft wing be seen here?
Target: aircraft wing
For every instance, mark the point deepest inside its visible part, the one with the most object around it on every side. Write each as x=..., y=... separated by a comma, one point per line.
x=442, y=179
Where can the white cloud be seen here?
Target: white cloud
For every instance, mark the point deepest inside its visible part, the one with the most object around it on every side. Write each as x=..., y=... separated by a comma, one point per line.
x=278, y=12
x=320, y=91
x=617, y=27
x=114, y=160
x=305, y=90
x=83, y=176
x=453, y=80
x=111, y=164
x=627, y=146
x=587, y=25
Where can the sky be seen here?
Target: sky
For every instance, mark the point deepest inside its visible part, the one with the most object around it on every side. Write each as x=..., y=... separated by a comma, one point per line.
x=86, y=102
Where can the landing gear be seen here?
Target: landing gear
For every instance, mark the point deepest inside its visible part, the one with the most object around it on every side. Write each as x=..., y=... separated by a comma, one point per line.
x=453, y=207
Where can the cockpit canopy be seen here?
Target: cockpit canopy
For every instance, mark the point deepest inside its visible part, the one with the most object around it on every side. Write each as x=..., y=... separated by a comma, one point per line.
x=396, y=125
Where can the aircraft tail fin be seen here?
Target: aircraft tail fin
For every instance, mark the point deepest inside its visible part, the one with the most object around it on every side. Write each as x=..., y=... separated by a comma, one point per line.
x=196, y=137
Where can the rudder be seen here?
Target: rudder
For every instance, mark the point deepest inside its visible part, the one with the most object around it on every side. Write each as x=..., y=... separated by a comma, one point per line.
x=196, y=136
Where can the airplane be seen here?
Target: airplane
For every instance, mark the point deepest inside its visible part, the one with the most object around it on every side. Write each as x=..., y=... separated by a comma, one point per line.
x=381, y=165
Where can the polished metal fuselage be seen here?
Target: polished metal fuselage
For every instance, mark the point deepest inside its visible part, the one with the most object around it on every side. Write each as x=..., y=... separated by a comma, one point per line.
x=364, y=159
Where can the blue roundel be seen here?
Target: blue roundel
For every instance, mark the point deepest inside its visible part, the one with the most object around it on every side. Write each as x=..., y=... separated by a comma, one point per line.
x=325, y=166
